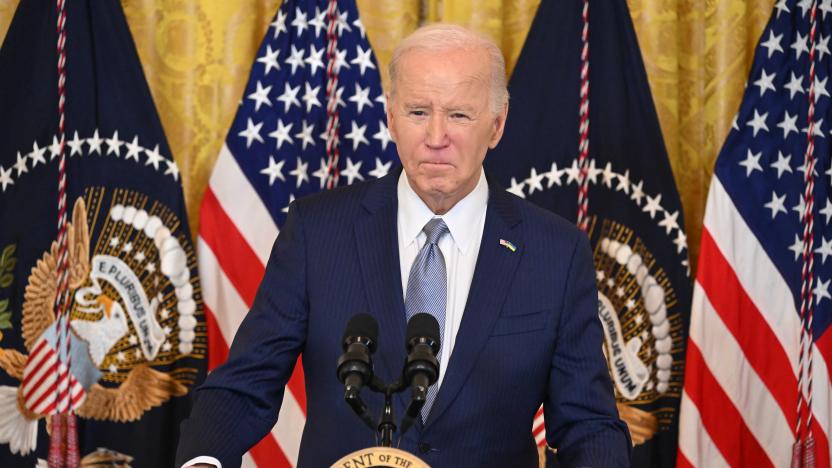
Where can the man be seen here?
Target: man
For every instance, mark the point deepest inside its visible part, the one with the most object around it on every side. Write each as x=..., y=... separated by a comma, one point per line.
x=513, y=286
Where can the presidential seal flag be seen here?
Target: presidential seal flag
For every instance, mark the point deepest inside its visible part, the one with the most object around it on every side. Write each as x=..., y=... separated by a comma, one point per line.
x=581, y=111
x=128, y=341
x=312, y=117
x=757, y=388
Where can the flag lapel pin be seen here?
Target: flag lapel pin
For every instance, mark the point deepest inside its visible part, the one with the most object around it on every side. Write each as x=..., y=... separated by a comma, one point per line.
x=508, y=245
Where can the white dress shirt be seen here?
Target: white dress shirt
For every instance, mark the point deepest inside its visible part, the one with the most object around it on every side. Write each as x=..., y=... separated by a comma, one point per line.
x=465, y=222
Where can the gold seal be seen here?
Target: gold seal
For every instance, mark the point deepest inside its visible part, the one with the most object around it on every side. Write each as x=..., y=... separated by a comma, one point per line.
x=381, y=457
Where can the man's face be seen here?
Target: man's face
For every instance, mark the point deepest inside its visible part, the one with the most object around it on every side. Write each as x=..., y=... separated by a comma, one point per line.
x=442, y=124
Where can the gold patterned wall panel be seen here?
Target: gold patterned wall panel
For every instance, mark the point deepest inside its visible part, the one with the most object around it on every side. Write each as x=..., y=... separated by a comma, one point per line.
x=7, y=8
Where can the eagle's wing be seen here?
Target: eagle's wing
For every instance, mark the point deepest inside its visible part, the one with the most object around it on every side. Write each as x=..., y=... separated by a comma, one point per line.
x=13, y=362
x=144, y=389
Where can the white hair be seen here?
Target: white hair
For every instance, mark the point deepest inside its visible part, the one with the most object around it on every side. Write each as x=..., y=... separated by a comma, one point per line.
x=443, y=37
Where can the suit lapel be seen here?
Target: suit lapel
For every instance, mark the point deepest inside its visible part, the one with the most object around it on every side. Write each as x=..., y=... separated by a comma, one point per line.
x=378, y=252
x=496, y=266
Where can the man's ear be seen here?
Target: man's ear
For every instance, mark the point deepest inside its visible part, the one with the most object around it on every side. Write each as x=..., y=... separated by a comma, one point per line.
x=499, y=126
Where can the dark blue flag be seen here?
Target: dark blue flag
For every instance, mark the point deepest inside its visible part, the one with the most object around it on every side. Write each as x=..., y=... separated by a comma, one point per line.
x=635, y=216
x=138, y=342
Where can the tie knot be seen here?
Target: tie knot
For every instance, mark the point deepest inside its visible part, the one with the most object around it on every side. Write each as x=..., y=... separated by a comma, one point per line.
x=435, y=229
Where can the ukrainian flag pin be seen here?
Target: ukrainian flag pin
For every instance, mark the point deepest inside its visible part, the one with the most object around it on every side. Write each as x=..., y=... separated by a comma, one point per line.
x=508, y=245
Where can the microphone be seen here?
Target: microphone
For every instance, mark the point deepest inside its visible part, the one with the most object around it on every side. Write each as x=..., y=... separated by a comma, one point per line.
x=355, y=366
x=421, y=369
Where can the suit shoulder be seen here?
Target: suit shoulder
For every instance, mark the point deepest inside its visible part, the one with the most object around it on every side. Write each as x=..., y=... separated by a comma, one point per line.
x=339, y=199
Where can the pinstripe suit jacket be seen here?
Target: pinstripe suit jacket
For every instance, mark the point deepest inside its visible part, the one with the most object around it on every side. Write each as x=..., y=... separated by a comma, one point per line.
x=529, y=334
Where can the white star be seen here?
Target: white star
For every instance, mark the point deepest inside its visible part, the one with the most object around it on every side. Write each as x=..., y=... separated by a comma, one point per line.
x=95, y=143
x=619, y=291
x=610, y=282
x=340, y=61
x=172, y=170
x=120, y=356
x=323, y=172
x=758, y=122
x=150, y=267
x=260, y=96
x=289, y=97
x=75, y=145
x=352, y=171
x=681, y=241
x=128, y=247
x=318, y=22
x=342, y=23
x=315, y=59
x=773, y=43
x=516, y=188
x=797, y=247
x=800, y=207
x=624, y=182
x=114, y=144
x=339, y=101
x=799, y=45
x=310, y=97
x=751, y=162
x=805, y=5
x=356, y=134
x=599, y=275
x=782, y=164
x=139, y=257
x=653, y=205
x=825, y=7
x=164, y=314
x=734, y=122
x=802, y=168
x=781, y=7
x=296, y=59
x=795, y=85
x=788, y=124
x=300, y=172
x=37, y=154
x=252, y=132
x=821, y=290
x=827, y=210
x=114, y=242
x=363, y=59
x=553, y=176
x=300, y=22
x=20, y=165
x=166, y=347
x=381, y=169
x=825, y=250
x=281, y=133
x=153, y=157
x=138, y=354
x=55, y=148
x=534, y=181
x=305, y=135
x=133, y=149
x=133, y=340
x=638, y=193
x=382, y=135
x=669, y=223
x=358, y=24
x=291, y=199
x=765, y=82
x=361, y=97
x=279, y=23
x=113, y=369
x=816, y=129
x=823, y=46
x=820, y=88
x=608, y=175
x=6, y=177
x=776, y=205
x=592, y=172
x=270, y=59
x=573, y=172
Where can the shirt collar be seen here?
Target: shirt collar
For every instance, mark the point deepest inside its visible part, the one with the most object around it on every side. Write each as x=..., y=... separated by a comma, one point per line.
x=462, y=219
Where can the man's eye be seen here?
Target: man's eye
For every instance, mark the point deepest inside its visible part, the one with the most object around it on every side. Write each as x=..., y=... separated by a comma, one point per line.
x=460, y=116
x=418, y=113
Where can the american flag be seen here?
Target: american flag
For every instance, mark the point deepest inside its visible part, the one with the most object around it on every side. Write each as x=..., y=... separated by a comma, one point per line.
x=740, y=403
x=312, y=117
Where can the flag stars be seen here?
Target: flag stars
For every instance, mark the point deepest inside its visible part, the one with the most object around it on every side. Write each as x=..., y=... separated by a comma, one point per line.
x=166, y=347
x=172, y=169
x=114, y=144
x=381, y=169
x=260, y=96
x=289, y=97
x=820, y=88
x=534, y=181
x=382, y=135
x=795, y=85
x=638, y=192
x=127, y=248
x=823, y=44
x=318, y=22
x=361, y=97
x=799, y=45
x=296, y=59
x=516, y=188
x=797, y=247
x=758, y=122
x=274, y=170
x=114, y=242
x=95, y=143
x=75, y=145
x=340, y=61
x=788, y=124
x=133, y=340
x=360, y=26
x=352, y=171
x=363, y=58
x=323, y=172
x=343, y=23
x=781, y=7
x=653, y=205
x=573, y=172
x=300, y=172
x=55, y=148
x=356, y=134
x=765, y=82
x=153, y=157
x=800, y=207
x=252, y=132
x=315, y=59
x=20, y=165
x=827, y=210
x=772, y=44
x=825, y=249
x=279, y=23
x=133, y=149
x=300, y=22
x=816, y=129
x=821, y=290
x=805, y=6
x=751, y=162
x=825, y=7
x=776, y=205
x=150, y=267
x=553, y=176
x=669, y=223
x=281, y=133
x=305, y=135
x=607, y=176
x=270, y=59
x=289, y=203
x=6, y=177
x=623, y=182
x=599, y=275
x=310, y=97
x=139, y=257
x=681, y=241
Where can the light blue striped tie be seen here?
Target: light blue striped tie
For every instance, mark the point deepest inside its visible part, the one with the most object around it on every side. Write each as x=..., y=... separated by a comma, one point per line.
x=427, y=289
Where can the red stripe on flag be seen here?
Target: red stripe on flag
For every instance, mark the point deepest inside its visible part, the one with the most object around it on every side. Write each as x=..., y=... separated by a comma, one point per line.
x=217, y=347
x=824, y=345
x=720, y=418
x=236, y=258
x=682, y=461
x=268, y=453
x=48, y=373
x=760, y=345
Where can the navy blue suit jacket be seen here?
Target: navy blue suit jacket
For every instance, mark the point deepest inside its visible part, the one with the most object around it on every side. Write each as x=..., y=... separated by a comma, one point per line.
x=529, y=334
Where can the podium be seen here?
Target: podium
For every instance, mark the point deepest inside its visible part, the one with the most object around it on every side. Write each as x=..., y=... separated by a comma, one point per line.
x=380, y=457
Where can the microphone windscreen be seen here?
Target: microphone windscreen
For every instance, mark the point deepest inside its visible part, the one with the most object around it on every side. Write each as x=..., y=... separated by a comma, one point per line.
x=423, y=325
x=362, y=325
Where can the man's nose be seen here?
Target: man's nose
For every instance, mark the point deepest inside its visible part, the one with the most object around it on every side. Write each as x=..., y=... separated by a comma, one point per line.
x=437, y=134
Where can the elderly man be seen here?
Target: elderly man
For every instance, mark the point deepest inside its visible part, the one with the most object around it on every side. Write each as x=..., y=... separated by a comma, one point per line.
x=513, y=287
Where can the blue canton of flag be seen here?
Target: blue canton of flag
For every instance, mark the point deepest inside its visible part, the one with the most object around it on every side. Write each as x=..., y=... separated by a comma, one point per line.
x=279, y=134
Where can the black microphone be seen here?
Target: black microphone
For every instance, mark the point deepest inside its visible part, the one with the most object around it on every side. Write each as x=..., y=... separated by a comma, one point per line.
x=421, y=368
x=355, y=366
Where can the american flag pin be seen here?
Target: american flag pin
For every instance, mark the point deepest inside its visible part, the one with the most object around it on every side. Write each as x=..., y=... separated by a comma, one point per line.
x=508, y=245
